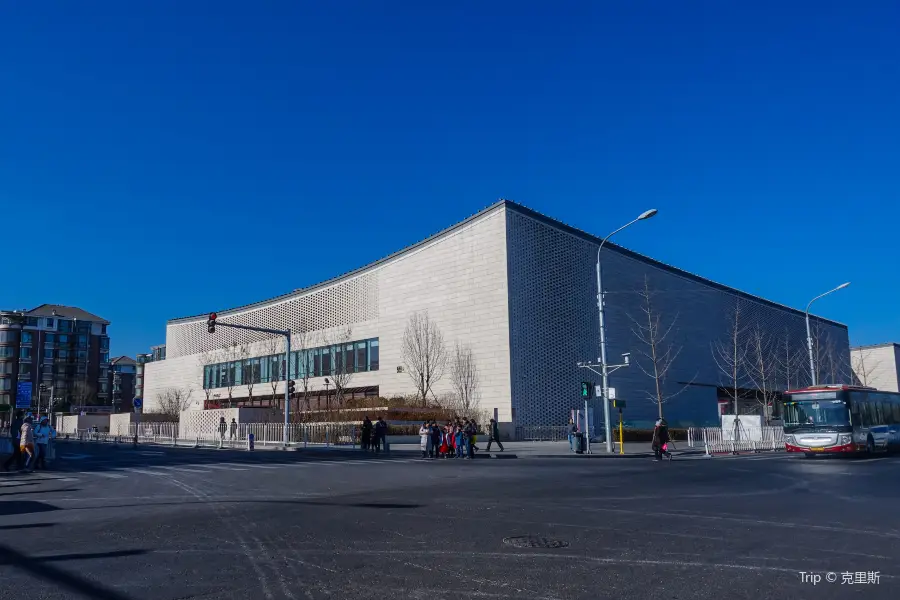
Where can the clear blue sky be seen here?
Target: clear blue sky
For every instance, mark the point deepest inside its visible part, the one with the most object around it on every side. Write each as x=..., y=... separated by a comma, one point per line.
x=189, y=156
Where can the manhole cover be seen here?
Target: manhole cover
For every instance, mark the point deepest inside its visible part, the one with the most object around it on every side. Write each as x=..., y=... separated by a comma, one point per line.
x=533, y=541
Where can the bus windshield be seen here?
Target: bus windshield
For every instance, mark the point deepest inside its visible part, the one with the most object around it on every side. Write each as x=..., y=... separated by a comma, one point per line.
x=813, y=414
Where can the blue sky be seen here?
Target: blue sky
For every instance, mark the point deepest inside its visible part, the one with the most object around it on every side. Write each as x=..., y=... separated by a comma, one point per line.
x=180, y=157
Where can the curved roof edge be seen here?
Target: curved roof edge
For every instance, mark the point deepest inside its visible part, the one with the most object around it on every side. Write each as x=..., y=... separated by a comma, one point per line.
x=510, y=205
x=666, y=267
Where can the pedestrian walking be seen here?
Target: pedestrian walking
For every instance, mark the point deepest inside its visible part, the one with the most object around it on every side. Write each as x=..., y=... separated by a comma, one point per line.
x=233, y=428
x=494, y=435
x=435, y=439
x=425, y=439
x=573, y=430
x=380, y=434
x=26, y=443
x=223, y=427
x=365, y=436
x=15, y=435
x=42, y=434
x=661, y=440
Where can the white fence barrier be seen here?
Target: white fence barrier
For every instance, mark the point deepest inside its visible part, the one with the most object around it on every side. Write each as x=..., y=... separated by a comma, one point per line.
x=264, y=434
x=714, y=440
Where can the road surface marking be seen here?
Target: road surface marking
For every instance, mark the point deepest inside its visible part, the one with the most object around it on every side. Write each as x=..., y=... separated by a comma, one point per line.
x=145, y=472
x=223, y=468
x=107, y=475
x=180, y=469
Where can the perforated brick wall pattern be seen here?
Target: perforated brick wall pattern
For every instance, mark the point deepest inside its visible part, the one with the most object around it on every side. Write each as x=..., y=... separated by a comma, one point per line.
x=554, y=324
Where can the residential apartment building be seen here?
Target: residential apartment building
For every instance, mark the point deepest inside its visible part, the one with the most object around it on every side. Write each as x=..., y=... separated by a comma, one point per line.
x=63, y=351
x=122, y=380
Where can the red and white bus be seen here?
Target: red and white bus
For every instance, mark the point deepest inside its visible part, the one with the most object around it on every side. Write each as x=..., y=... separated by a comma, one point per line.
x=841, y=419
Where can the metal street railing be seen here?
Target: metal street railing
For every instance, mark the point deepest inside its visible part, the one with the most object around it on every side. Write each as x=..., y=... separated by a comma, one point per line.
x=715, y=440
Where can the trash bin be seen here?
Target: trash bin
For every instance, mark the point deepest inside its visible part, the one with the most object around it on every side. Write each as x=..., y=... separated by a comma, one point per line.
x=580, y=444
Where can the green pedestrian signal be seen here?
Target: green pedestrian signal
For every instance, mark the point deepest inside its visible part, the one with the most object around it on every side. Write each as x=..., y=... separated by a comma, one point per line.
x=585, y=389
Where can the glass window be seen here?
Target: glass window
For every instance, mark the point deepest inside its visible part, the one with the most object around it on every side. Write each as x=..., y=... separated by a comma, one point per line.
x=48, y=353
x=65, y=326
x=255, y=374
x=82, y=355
x=50, y=339
x=373, y=355
x=326, y=361
x=316, y=362
x=7, y=336
x=5, y=384
x=361, y=357
x=24, y=369
x=350, y=358
x=63, y=339
x=102, y=329
x=6, y=368
x=104, y=357
x=264, y=369
x=51, y=323
x=895, y=406
x=25, y=353
x=82, y=341
x=6, y=351
x=27, y=336
x=104, y=343
x=31, y=321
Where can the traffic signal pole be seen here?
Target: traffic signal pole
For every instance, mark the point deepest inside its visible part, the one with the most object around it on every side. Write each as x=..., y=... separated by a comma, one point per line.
x=213, y=322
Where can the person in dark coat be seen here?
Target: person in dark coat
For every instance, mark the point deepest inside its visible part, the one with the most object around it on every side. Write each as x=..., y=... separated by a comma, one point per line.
x=365, y=434
x=660, y=439
x=380, y=434
x=435, y=440
x=494, y=435
x=15, y=434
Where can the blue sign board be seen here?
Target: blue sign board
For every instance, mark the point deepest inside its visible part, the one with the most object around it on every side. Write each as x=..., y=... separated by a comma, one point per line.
x=136, y=403
x=23, y=394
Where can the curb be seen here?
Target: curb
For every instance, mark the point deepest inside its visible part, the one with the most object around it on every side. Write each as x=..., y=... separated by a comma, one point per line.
x=613, y=456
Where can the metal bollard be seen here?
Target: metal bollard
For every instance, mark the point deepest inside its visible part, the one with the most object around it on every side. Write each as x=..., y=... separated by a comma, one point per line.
x=250, y=440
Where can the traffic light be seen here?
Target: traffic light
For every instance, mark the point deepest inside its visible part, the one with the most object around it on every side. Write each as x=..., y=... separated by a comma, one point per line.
x=291, y=387
x=585, y=389
x=211, y=323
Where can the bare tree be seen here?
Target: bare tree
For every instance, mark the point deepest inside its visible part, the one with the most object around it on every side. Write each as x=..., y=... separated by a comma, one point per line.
x=301, y=339
x=424, y=353
x=836, y=368
x=762, y=368
x=657, y=352
x=464, y=378
x=232, y=356
x=273, y=348
x=730, y=355
x=84, y=393
x=207, y=359
x=864, y=365
x=173, y=401
x=342, y=364
x=790, y=361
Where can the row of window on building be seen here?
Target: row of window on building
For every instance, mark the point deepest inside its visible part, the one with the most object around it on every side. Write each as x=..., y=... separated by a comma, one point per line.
x=50, y=339
x=350, y=357
x=61, y=325
x=26, y=353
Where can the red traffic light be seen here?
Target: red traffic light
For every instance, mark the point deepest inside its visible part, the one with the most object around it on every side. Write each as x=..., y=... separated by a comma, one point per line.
x=212, y=316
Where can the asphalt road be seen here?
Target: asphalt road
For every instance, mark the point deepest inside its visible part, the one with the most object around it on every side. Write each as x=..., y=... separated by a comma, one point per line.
x=166, y=524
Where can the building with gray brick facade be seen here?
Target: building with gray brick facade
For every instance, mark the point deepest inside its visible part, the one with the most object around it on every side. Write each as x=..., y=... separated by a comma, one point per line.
x=519, y=289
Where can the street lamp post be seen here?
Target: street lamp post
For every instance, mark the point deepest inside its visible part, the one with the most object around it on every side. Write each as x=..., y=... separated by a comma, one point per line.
x=809, y=342
x=605, y=370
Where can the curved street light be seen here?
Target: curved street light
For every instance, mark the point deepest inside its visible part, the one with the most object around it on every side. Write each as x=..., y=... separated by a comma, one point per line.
x=809, y=344
x=609, y=445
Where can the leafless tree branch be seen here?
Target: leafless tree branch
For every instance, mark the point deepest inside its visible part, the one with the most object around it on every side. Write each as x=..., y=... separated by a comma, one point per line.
x=424, y=353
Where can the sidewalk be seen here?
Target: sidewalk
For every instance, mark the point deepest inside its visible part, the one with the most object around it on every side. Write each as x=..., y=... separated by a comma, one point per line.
x=561, y=450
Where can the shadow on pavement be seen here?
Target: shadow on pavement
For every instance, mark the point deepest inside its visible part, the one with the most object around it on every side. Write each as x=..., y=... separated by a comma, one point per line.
x=26, y=526
x=33, y=492
x=39, y=568
x=24, y=507
x=102, y=456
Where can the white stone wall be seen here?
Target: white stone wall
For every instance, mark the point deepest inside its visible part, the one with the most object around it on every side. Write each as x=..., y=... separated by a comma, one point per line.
x=877, y=366
x=458, y=277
